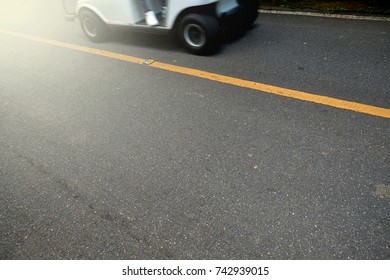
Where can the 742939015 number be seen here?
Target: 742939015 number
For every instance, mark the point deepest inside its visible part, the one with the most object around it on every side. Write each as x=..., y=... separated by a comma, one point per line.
x=261, y=271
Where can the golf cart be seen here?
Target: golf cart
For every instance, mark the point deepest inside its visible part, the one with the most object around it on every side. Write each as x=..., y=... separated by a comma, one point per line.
x=197, y=23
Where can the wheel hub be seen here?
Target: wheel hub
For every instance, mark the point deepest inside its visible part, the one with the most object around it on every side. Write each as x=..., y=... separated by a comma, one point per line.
x=194, y=35
x=90, y=27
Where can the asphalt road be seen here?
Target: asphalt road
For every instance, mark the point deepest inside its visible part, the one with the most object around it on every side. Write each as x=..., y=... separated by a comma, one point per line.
x=107, y=159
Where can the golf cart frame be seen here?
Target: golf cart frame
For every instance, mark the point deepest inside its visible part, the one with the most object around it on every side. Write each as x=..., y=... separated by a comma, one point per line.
x=197, y=23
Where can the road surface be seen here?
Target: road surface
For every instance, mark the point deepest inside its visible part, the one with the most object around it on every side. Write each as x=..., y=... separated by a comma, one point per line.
x=102, y=157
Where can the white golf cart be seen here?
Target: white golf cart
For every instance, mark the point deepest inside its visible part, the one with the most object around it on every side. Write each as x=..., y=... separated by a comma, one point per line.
x=197, y=23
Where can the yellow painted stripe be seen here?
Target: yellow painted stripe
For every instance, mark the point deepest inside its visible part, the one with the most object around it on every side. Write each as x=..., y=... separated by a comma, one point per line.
x=329, y=101
x=319, y=99
x=75, y=47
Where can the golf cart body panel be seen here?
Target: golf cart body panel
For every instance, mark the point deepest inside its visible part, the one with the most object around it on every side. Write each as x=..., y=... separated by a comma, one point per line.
x=128, y=12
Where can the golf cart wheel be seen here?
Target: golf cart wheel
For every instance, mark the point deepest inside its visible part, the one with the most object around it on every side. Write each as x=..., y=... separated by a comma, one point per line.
x=249, y=12
x=93, y=27
x=199, y=33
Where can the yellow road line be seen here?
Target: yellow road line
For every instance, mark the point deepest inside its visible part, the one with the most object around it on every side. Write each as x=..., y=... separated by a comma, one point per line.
x=319, y=99
x=76, y=47
x=329, y=101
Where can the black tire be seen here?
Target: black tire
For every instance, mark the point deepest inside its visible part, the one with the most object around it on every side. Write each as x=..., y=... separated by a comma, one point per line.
x=93, y=27
x=248, y=12
x=199, y=33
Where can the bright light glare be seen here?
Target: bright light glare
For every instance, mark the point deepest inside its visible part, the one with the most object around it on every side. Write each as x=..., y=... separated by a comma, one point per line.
x=30, y=11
